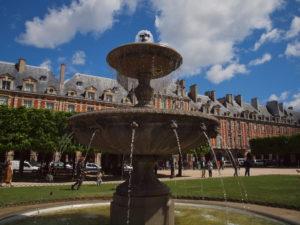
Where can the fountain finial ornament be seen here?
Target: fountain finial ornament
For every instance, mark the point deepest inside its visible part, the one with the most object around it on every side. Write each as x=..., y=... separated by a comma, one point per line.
x=144, y=36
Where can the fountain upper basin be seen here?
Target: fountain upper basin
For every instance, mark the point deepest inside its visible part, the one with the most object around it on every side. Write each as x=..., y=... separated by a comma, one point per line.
x=144, y=60
x=154, y=135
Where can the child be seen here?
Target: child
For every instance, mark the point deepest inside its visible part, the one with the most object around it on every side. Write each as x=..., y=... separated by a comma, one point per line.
x=99, y=178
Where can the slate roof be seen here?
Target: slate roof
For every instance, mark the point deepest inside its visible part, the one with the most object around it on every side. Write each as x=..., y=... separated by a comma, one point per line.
x=30, y=71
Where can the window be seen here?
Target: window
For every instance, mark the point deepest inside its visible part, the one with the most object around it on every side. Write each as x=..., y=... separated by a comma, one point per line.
x=28, y=87
x=50, y=105
x=6, y=85
x=79, y=83
x=90, y=108
x=90, y=95
x=109, y=98
x=71, y=93
x=3, y=100
x=27, y=103
x=71, y=108
x=43, y=78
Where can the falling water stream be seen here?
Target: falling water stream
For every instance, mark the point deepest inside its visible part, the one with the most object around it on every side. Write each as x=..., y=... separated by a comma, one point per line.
x=174, y=127
x=90, y=143
x=219, y=172
x=134, y=125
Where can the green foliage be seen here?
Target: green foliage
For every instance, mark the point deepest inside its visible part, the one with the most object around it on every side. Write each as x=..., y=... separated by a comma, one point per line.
x=201, y=150
x=40, y=130
x=276, y=145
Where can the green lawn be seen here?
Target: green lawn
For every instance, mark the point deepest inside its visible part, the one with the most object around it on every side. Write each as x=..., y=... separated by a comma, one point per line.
x=275, y=190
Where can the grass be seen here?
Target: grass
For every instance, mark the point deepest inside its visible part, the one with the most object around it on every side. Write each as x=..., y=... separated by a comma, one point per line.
x=275, y=190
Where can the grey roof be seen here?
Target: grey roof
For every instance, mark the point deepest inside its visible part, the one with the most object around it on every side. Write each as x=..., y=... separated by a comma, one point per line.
x=30, y=71
x=205, y=100
x=100, y=83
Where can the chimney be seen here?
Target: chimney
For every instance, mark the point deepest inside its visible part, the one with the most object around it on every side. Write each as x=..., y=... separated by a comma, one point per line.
x=291, y=108
x=280, y=105
x=182, y=87
x=239, y=100
x=193, y=92
x=254, y=103
x=211, y=95
x=229, y=98
x=21, y=65
x=62, y=77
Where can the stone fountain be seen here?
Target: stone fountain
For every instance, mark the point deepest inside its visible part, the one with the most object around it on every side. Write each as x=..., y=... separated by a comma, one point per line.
x=149, y=199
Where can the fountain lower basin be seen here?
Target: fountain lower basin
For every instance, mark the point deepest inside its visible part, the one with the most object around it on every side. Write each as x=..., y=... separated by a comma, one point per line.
x=98, y=213
x=154, y=135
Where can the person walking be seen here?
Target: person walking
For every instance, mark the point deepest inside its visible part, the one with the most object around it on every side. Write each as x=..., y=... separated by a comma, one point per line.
x=99, y=178
x=248, y=164
x=236, y=167
x=203, y=167
x=8, y=174
x=209, y=167
x=80, y=174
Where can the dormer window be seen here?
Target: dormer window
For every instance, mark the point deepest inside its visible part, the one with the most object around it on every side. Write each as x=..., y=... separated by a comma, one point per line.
x=90, y=95
x=109, y=98
x=51, y=90
x=29, y=84
x=79, y=83
x=6, y=82
x=6, y=85
x=71, y=93
x=28, y=87
x=43, y=78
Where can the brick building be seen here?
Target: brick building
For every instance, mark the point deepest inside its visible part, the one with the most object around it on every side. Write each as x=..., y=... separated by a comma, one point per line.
x=32, y=86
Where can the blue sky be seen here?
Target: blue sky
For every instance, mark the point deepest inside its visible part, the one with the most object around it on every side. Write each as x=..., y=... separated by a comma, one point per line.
x=249, y=47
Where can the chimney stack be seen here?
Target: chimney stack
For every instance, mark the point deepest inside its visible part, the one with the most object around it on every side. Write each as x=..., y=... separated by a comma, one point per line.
x=211, y=95
x=182, y=87
x=229, y=98
x=21, y=65
x=280, y=105
x=193, y=92
x=62, y=77
x=254, y=103
x=239, y=100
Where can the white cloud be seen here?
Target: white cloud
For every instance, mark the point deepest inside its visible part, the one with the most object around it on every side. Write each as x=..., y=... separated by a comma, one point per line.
x=272, y=35
x=217, y=73
x=265, y=58
x=293, y=49
x=295, y=102
x=46, y=64
x=282, y=97
x=82, y=16
x=206, y=32
x=295, y=28
x=78, y=58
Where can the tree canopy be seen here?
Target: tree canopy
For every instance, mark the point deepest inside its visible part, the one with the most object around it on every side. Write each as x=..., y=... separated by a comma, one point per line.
x=34, y=129
x=276, y=145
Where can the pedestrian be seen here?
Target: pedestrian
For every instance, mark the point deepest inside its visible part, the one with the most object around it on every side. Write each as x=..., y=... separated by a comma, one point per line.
x=8, y=174
x=203, y=167
x=99, y=178
x=236, y=167
x=248, y=164
x=209, y=167
x=80, y=174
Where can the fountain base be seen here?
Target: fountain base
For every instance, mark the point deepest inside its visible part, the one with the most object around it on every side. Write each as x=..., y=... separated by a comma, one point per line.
x=150, y=201
x=158, y=210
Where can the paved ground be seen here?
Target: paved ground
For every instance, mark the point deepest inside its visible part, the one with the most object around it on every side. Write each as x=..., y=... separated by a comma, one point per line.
x=187, y=174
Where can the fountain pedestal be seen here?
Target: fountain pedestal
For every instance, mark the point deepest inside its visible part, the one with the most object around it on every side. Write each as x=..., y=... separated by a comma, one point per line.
x=150, y=201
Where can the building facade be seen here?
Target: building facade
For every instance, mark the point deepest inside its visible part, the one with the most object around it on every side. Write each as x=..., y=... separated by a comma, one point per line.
x=32, y=86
